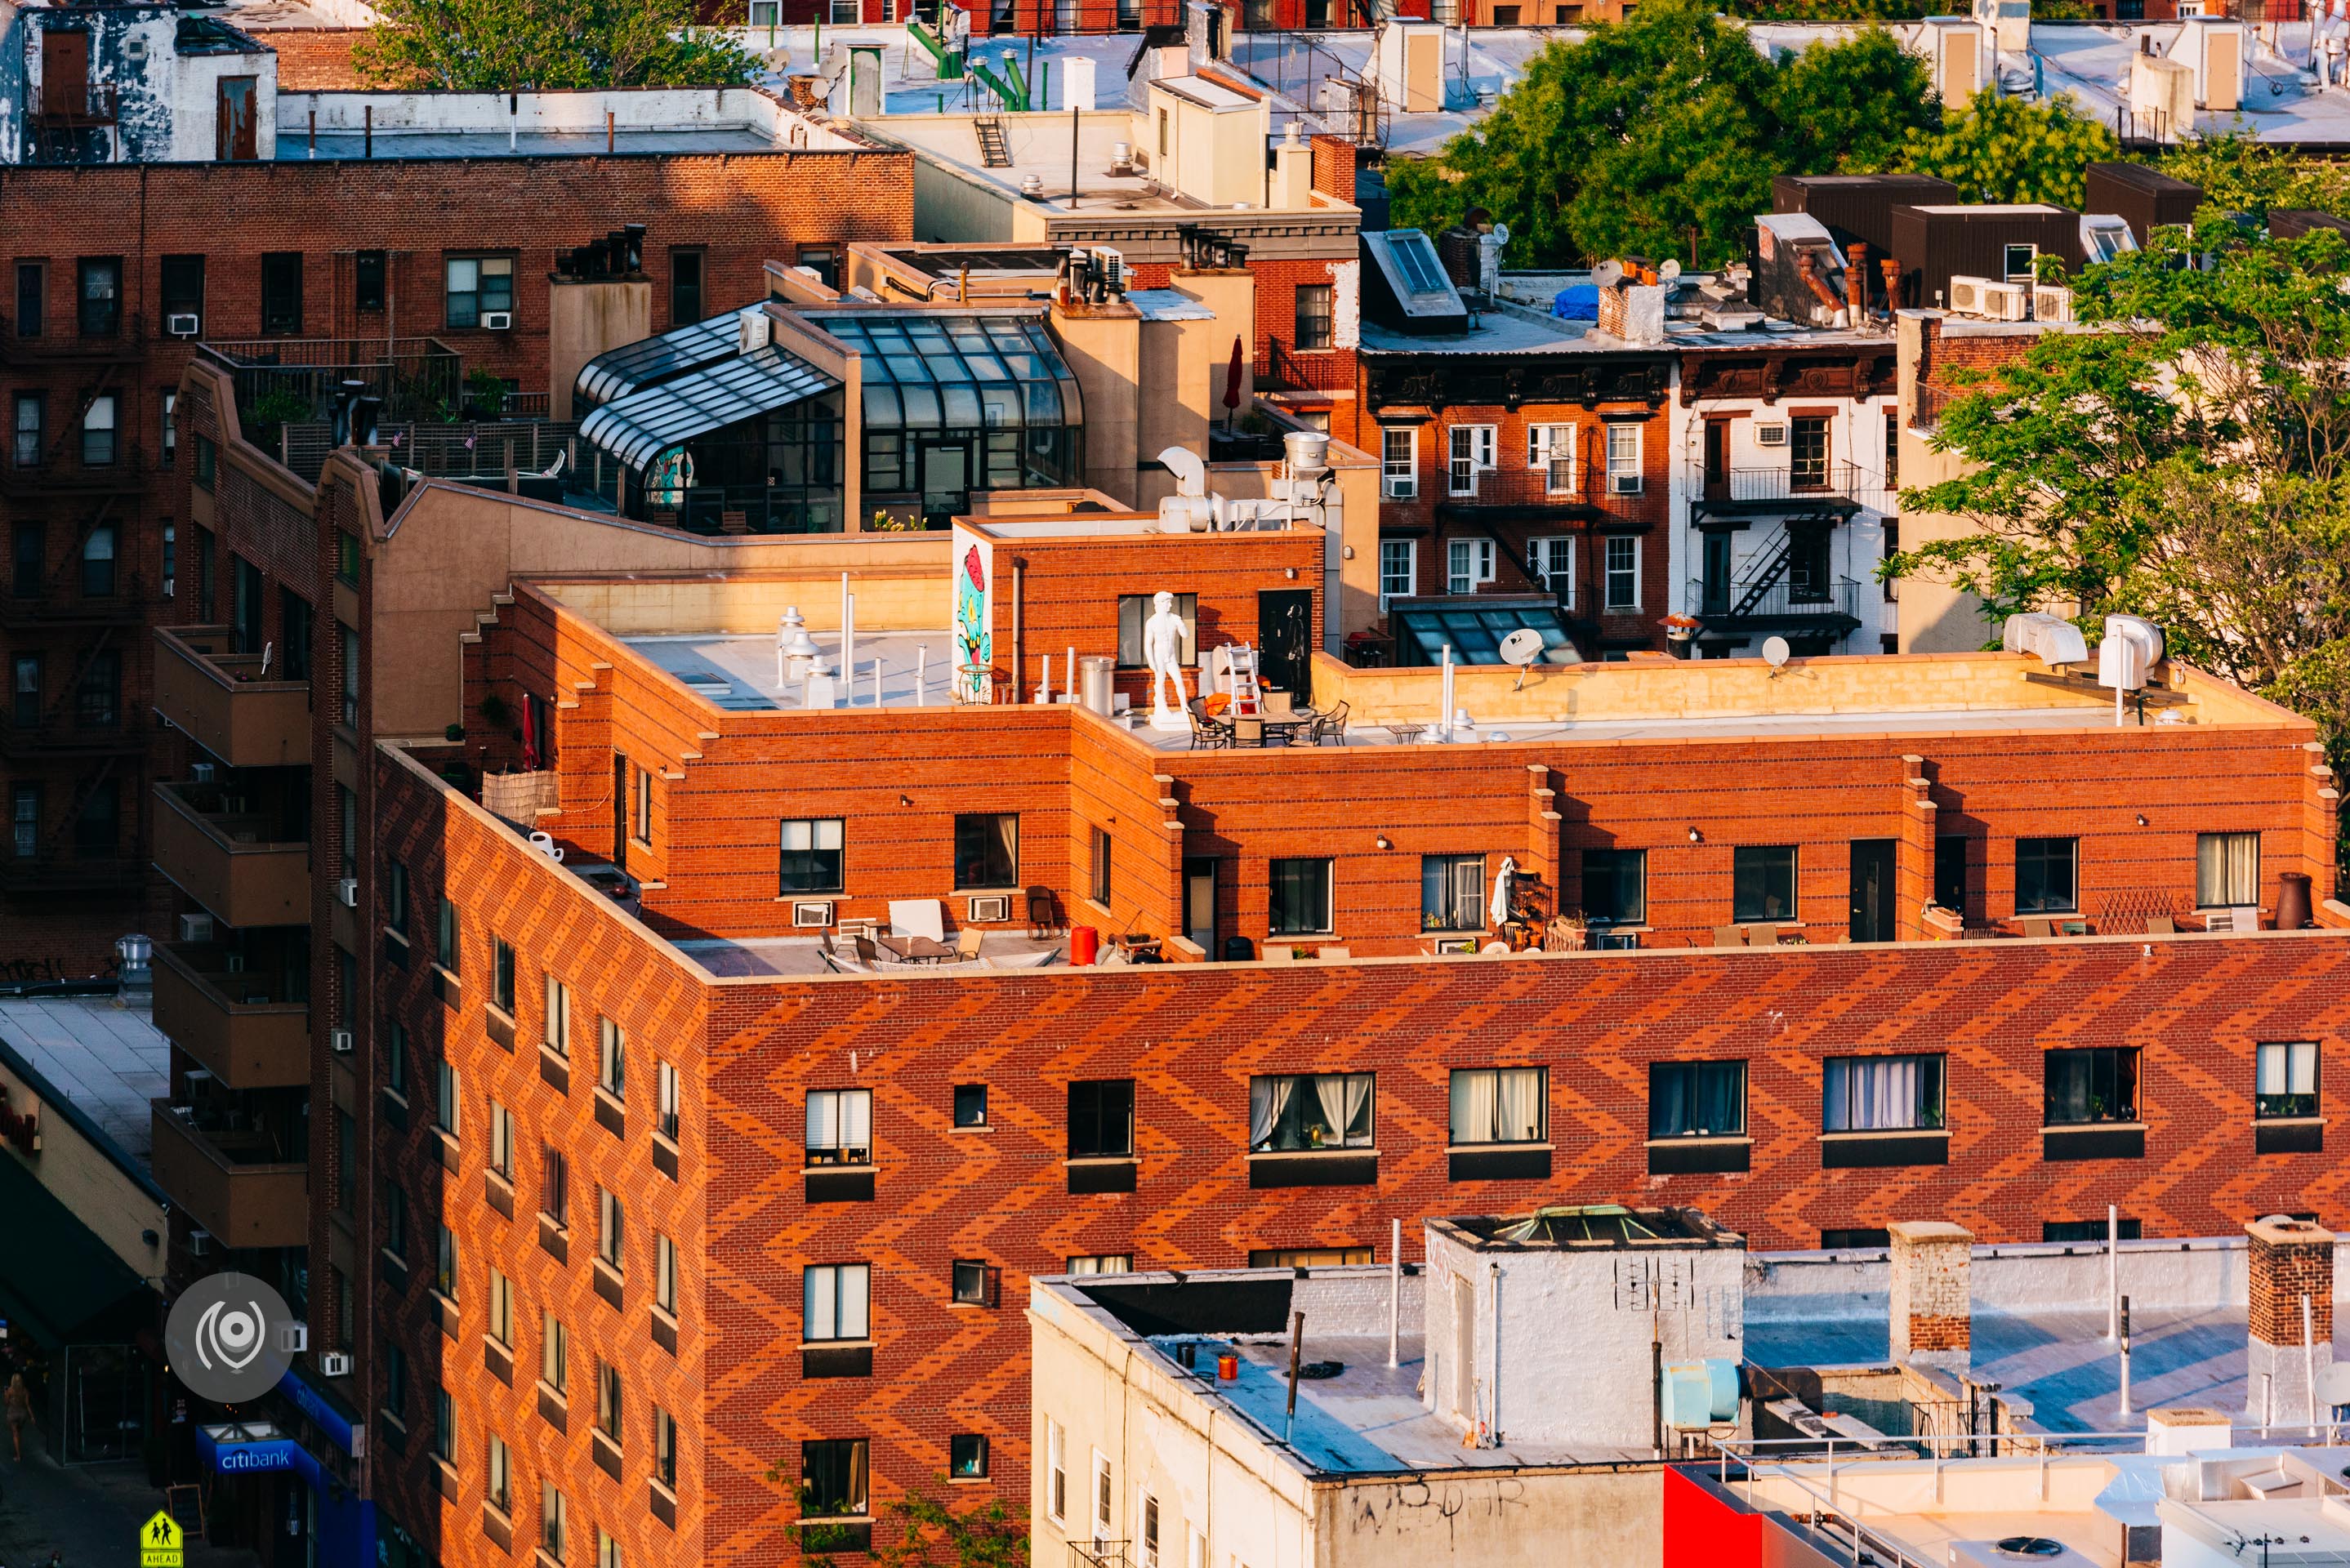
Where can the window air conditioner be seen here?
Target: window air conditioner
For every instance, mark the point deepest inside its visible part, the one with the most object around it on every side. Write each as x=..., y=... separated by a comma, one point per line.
x=202, y=772
x=497, y=320
x=1967, y=295
x=200, y=1243
x=1623, y=485
x=341, y=1039
x=1406, y=488
x=2007, y=301
x=183, y=323
x=817, y=914
x=348, y=890
x=2051, y=302
x=195, y=928
x=195, y=1076
x=1770, y=435
x=293, y=1338
x=995, y=907
x=335, y=1364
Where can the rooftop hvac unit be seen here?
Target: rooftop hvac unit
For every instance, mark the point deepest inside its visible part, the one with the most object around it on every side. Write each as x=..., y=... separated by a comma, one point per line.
x=2051, y=303
x=342, y=1040
x=195, y=928
x=1967, y=295
x=1770, y=435
x=2015, y=1551
x=183, y=323
x=497, y=320
x=335, y=1364
x=2007, y=301
x=1111, y=265
x=346, y=891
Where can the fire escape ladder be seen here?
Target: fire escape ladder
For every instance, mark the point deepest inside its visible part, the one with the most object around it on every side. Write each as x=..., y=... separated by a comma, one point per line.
x=1760, y=585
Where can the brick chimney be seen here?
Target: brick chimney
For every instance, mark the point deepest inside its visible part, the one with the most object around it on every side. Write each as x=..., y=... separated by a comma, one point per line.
x=1933, y=1317
x=2289, y=1259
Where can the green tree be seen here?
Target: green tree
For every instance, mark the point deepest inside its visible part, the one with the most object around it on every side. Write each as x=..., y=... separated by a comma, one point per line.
x=1999, y=148
x=2242, y=175
x=917, y=1530
x=498, y=46
x=2190, y=463
x=1672, y=122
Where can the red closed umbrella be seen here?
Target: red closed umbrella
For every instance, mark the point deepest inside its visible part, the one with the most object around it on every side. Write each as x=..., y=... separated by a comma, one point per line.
x=1232, y=381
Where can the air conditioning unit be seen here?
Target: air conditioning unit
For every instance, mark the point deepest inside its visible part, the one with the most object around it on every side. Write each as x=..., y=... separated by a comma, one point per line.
x=200, y=1243
x=195, y=928
x=348, y=890
x=1623, y=485
x=202, y=772
x=815, y=914
x=236, y=962
x=2007, y=301
x=993, y=907
x=342, y=1040
x=183, y=323
x=195, y=1076
x=1403, y=487
x=335, y=1364
x=497, y=320
x=2051, y=302
x=1967, y=293
x=1770, y=435
x=293, y=1338
x=1111, y=265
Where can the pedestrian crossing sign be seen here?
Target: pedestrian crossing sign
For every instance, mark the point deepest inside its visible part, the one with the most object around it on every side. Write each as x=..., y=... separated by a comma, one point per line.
x=162, y=1543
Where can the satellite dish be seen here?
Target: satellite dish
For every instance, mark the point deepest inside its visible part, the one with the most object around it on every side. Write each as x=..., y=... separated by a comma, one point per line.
x=1607, y=274
x=1668, y=270
x=2334, y=1384
x=1501, y=233
x=1775, y=652
x=1521, y=648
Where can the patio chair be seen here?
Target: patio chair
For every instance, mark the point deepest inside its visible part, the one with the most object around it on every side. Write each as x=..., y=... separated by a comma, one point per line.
x=2034, y=926
x=1279, y=952
x=1276, y=705
x=1729, y=936
x=2161, y=925
x=1330, y=729
x=1248, y=732
x=1207, y=736
x=867, y=952
x=967, y=942
x=1044, y=912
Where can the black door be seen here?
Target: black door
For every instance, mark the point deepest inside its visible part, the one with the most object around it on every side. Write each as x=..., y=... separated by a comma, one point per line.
x=1872, y=890
x=1716, y=580
x=1286, y=622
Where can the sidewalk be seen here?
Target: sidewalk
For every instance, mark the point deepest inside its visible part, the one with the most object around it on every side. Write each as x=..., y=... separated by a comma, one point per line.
x=91, y=1513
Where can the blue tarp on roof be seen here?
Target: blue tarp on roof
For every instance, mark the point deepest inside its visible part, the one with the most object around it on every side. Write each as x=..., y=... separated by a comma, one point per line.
x=1576, y=302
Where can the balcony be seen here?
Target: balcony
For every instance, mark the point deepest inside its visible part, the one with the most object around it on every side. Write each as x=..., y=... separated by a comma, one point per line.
x=62, y=108
x=1816, y=489
x=221, y=699
x=238, y=1024
x=1776, y=603
x=234, y=1183
x=1554, y=493
x=225, y=857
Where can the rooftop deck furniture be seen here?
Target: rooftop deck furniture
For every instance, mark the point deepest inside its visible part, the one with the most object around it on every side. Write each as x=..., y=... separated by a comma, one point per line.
x=2034, y=926
x=1330, y=727
x=2161, y=926
x=967, y=942
x=1404, y=734
x=916, y=948
x=917, y=917
x=1729, y=936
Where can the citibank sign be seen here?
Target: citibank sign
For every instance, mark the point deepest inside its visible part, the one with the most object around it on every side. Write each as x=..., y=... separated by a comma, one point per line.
x=234, y=1458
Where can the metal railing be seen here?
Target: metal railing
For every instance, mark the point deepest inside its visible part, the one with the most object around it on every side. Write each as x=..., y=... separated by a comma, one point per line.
x=459, y=450
x=1555, y=483
x=414, y=377
x=1794, y=482
x=97, y=104
x=1732, y=601
x=1099, y=1554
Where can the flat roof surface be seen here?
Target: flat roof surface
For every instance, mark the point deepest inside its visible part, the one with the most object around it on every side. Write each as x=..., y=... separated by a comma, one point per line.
x=107, y=1059
x=799, y=957
x=294, y=143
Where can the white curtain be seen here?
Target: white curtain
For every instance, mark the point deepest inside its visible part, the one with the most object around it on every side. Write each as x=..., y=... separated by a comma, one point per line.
x=2288, y=1069
x=1518, y=1105
x=1871, y=1094
x=1357, y=1128
x=1331, y=1089
x=1268, y=1098
x=2227, y=869
x=1474, y=1098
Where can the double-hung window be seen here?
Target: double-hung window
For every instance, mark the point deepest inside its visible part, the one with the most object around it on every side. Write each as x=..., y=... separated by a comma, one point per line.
x=612, y=1231
x=554, y=1353
x=1291, y=1114
x=1697, y=1099
x=1469, y=452
x=612, y=1058
x=665, y=1108
x=840, y=1126
x=2227, y=870
x=2284, y=1080
x=1452, y=892
x=1499, y=1104
x=1399, y=570
x=810, y=856
x=98, y=446
x=1623, y=459
x=1623, y=563
x=556, y=1027
x=1315, y=323
x=478, y=286
x=1468, y=565
x=835, y=1299
x=2088, y=1087
x=2046, y=875
x=1399, y=461
x=1101, y=1119
x=1550, y=449
x=1882, y=1093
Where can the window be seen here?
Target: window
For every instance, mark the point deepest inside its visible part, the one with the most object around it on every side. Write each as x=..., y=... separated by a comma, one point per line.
x=207, y=460
x=281, y=292
x=975, y=1283
x=2044, y=876
x=1320, y=1110
x=1399, y=461
x=811, y=855
x=554, y=1185
x=612, y=1059
x=395, y=1055
x=444, y=1097
x=1452, y=892
x=2284, y=1080
x=2089, y=1230
x=478, y=285
x=1468, y=450
x=501, y=975
x=608, y=1399
x=1951, y=872
x=967, y=1456
x=1298, y=897
x=1807, y=453
x=346, y=557
x=502, y=1140
x=1101, y=1120
x=832, y=1478
x=1399, y=570
x=684, y=287
x=368, y=280
x=98, y=829
x=641, y=821
x=1103, y=1493
x=501, y=1474
x=1499, y=1104
x=32, y=300
x=612, y=1231
x=970, y=1105
x=444, y=934
x=1102, y=1263
x=395, y=1381
x=1306, y=1257
x=1855, y=1236
x=1762, y=882
x=101, y=295
x=395, y=1219
x=444, y=1428
x=1551, y=450
x=665, y=1110
x=1056, y=1473
x=395, y=898
x=664, y=1448
x=2098, y=1084
x=987, y=849
x=444, y=1259
x=1134, y=609
x=98, y=448
x=1097, y=858
x=1615, y=886
x=1162, y=133
x=834, y=1298
x=1697, y=1099
x=26, y=453
x=27, y=712
x=840, y=1126
x=2019, y=260
x=347, y=644
x=1882, y=1093
x=551, y=1509
x=501, y=1324
x=1623, y=587
x=554, y=1026
x=1468, y=565
x=170, y=547
x=1149, y=1531
x=608, y=1551
x=25, y=817
x=1622, y=459
x=1551, y=564
x=183, y=279
x=1316, y=328
x=2227, y=869
x=665, y=1274
x=554, y=1353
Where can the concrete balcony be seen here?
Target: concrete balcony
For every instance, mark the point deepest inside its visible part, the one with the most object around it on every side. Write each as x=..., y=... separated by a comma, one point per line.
x=231, y=1182
x=236, y=1024
x=221, y=700
x=221, y=855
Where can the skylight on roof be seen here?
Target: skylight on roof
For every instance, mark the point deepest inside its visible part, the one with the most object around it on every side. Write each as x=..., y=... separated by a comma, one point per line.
x=1412, y=253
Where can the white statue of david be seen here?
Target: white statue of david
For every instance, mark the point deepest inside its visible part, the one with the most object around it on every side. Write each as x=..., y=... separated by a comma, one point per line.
x=1162, y=650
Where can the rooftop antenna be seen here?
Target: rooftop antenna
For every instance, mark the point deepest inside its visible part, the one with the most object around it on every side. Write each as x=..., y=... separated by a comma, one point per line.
x=1775, y=653
x=1521, y=648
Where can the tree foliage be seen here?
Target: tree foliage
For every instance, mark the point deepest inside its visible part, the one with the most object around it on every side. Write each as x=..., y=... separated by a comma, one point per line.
x=1994, y=148
x=2244, y=176
x=2187, y=459
x=917, y=1530
x=499, y=45
x=1674, y=121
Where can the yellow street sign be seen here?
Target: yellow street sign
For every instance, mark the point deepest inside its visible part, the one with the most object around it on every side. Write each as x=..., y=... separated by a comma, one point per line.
x=162, y=1543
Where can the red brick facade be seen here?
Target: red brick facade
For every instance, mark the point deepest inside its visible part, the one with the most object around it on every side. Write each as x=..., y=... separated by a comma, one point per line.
x=2288, y=1262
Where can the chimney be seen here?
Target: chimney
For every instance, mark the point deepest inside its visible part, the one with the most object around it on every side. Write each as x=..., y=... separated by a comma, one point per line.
x=1933, y=1323
x=1892, y=271
x=2291, y=1259
x=1856, y=280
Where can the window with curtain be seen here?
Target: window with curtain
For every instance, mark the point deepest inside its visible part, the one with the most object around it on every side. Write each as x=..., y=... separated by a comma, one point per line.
x=811, y=855
x=1452, y=892
x=1499, y=1104
x=1697, y=1099
x=987, y=849
x=832, y=1477
x=2099, y=1084
x=1882, y=1093
x=2285, y=1080
x=2227, y=869
x=840, y=1126
x=833, y=1300
x=1310, y=1111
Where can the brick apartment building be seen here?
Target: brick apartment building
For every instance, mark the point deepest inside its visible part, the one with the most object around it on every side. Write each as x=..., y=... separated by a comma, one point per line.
x=377, y=248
